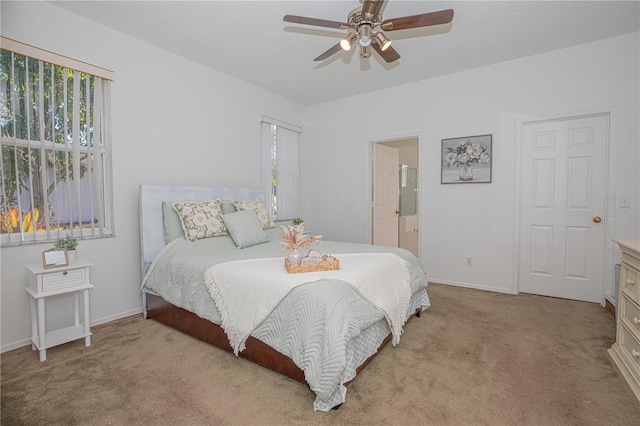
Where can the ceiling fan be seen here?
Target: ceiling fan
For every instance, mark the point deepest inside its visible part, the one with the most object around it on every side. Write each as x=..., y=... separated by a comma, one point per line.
x=365, y=25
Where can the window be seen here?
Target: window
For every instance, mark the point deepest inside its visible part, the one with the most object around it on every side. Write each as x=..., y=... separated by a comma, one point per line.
x=280, y=171
x=55, y=176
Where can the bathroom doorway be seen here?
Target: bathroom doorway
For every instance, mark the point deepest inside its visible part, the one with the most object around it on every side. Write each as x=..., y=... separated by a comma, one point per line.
x=406, y=194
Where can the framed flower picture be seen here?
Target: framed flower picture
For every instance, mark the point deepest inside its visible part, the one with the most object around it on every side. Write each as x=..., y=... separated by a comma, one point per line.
x=467, y=159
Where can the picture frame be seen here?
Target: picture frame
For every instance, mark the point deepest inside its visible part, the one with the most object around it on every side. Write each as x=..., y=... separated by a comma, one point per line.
x=467, y=159
x=54, y=258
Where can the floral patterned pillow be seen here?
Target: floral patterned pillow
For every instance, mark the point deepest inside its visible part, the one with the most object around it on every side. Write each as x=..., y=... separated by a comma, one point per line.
x=201, y=219
x=258, y=206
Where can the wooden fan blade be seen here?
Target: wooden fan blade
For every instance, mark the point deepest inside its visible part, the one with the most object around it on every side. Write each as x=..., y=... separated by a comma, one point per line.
x=389, y=54
x=329, y=52
x=371, y=8
x=424, y=20
x=314, y=21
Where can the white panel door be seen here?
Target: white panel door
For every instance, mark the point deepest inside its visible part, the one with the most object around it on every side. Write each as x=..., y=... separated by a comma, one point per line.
x=386, y=189
x=562, y=200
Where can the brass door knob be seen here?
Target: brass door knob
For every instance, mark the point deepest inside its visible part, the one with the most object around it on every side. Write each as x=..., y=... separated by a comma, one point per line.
x=397, y=211
x=597, y=219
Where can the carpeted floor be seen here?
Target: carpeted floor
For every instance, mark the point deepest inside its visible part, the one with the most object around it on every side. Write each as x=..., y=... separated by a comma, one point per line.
x=473, y=358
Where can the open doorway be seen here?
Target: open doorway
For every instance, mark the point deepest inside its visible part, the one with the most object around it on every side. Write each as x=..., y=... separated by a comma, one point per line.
x=394, y=193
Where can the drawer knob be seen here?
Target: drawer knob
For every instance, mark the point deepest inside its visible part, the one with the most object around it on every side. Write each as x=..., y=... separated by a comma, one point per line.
x=64, y=273
x=635, y=353
x=636, y=321
x=630, y=281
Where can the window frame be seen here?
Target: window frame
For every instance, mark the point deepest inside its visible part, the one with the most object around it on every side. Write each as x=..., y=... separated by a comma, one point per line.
x=99, y=172
x=270, y=174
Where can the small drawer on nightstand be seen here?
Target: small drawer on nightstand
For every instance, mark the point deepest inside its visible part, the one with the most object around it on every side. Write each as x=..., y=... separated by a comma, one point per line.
x=631, y=313
x=630, y=345
x=43, y=281
x=63, y=279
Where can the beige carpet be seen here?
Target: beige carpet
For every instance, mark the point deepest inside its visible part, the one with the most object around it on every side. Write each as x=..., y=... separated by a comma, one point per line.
x=473, y=358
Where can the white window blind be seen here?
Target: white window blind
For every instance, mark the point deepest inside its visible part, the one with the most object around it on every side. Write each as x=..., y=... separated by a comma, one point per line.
x=55, y=156
x=281, y=170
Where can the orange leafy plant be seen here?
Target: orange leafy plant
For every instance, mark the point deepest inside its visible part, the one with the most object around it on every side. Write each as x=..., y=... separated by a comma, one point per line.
x=10, y=221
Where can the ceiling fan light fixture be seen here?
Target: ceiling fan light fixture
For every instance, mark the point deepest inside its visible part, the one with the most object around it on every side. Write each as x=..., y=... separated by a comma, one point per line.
x=365, y=24
x=347, y=42
x=382, y=41
x=365, y=35
x=365, y=52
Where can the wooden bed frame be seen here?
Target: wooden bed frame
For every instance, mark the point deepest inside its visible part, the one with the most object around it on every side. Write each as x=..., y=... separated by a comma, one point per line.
x=155, y=307
x=207, y=331
x=256, y=350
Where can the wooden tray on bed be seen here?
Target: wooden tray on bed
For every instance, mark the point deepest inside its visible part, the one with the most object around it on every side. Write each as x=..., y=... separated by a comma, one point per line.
x=324, y=265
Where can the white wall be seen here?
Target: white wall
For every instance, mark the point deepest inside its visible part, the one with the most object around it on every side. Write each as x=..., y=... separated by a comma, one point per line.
x=174, y=122
x=471, y=220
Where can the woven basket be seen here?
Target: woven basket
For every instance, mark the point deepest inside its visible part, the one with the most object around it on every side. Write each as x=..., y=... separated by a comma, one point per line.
x=323, y=265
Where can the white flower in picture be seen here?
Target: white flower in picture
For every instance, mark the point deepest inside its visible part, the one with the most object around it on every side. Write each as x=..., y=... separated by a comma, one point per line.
x=468, y=156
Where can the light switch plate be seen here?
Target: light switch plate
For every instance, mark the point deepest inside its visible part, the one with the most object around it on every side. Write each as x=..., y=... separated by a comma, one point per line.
x=624, y=202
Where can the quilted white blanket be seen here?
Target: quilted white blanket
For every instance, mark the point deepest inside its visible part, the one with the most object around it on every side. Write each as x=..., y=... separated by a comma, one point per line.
x=246, y=291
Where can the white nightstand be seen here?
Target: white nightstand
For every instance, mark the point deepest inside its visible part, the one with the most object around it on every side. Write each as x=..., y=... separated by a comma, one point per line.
x=71, y=279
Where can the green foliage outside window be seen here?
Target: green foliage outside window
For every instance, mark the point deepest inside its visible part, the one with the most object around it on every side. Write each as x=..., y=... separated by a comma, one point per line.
x=37, y=134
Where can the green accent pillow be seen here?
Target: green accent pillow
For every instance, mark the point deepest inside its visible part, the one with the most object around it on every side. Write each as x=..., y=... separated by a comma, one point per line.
x=171, y=221
x=245, y=228
x=257, y=206
x=201, y=219
x=228, y=207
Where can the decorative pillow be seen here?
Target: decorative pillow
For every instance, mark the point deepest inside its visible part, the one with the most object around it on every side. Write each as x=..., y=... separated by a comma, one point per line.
x=171, y=222
x=228, y=207
x=245, y=228
x=257, y=206
x=200, y=219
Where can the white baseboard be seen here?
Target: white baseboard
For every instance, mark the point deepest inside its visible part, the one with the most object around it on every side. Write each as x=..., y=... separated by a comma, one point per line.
x=95, y=322
x=469, y=285
x=104, y=320
x=110, y=318
x=15, y=345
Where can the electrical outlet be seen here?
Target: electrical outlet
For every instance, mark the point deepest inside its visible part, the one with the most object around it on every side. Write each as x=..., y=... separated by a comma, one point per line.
x=469, y=261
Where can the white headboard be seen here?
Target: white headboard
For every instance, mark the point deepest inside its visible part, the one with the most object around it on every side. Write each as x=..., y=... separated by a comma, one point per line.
x=151, y=217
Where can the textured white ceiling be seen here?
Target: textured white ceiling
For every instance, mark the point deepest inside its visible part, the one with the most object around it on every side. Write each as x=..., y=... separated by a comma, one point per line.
x=249, y=39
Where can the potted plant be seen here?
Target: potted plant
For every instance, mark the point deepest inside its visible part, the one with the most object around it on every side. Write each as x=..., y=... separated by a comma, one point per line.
x=68, y=243
x=294, y=237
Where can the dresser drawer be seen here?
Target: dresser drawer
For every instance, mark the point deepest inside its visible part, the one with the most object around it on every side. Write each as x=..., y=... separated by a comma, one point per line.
x=630, y=345
x=629, y=282
x=630, y=312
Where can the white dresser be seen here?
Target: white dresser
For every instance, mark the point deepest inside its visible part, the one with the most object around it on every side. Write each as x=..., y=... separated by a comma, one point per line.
x=625, y=352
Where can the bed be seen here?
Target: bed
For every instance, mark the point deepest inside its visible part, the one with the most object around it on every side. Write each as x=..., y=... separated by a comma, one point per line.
x=321, y=331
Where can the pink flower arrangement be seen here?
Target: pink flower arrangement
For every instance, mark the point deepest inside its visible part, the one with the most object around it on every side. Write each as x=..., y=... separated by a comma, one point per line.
x=295, y=237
